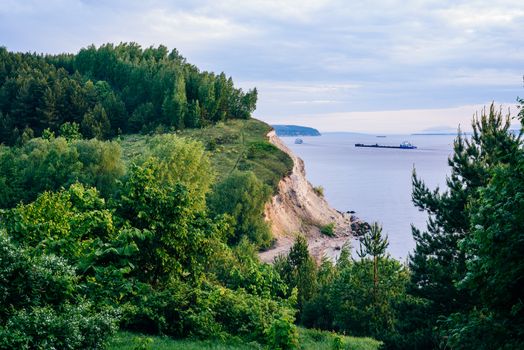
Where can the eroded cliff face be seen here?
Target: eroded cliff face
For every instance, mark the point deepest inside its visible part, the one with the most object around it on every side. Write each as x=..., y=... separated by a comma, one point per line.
x=298, y=209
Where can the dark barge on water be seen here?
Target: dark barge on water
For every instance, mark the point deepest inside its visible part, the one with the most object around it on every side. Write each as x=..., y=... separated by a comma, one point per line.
x=403, y=145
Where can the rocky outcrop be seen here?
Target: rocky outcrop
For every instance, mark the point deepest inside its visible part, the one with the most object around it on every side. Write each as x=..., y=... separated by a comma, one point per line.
x=298, y=209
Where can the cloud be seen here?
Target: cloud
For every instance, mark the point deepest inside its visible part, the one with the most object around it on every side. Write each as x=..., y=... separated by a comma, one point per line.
x=307, y=57
x=396, y=121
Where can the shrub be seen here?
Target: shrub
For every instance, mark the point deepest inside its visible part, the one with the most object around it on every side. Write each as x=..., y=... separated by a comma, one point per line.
x=283, y=334
x=207, y=311
x=328, y=230
x=31, y=318
x=319, y=190
x=69, y=327
x=243, y=196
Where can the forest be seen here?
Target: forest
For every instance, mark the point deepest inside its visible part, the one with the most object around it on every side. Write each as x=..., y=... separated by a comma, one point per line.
x=112, y=90
x=132, y=190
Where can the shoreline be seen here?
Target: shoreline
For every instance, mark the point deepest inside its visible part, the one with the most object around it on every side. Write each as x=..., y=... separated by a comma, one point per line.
x=298, y=209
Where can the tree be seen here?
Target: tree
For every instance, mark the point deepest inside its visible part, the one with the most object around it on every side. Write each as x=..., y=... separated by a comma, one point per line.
x=298, y=270
x=184, y=161
x=41, y=165
x=176, y=233
x=494, y=251
x=438, y=262
x=95, y=123
x=57, y=318
x=374, y=244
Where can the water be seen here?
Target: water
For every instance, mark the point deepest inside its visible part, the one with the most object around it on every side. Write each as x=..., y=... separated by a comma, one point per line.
x=376, y=182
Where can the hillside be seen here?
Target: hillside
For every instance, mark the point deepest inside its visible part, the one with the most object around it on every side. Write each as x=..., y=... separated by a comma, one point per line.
x=295, y=207
x=295, y=130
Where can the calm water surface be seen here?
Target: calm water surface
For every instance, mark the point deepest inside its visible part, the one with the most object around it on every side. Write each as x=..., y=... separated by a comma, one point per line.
x=374, y=182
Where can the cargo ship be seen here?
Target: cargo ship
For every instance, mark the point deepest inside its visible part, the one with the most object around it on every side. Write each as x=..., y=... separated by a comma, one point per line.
x=403, y=145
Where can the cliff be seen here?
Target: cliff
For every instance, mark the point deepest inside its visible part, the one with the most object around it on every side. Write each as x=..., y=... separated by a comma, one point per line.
x=297, y=208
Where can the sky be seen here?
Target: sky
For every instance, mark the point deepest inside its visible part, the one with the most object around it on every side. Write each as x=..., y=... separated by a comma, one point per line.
x=363, y=66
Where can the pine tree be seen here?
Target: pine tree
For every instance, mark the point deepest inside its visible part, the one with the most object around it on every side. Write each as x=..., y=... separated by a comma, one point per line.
x=372, y=243
x=438, y=262
x=298, y=270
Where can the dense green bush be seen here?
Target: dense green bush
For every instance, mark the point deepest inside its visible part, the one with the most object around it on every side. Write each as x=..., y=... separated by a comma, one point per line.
x=204, y=311
x=69, y=327
x=243, y=196
x=40, y=306
x=283, y=334
x=49, y=164
x=240, y=268
x=64, y=223
x=181, y=160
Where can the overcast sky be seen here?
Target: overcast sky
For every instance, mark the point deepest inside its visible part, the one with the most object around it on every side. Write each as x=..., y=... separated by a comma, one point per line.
x=366, y=66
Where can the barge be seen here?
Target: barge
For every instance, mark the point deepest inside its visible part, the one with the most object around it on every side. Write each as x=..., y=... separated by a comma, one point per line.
x=403, y=145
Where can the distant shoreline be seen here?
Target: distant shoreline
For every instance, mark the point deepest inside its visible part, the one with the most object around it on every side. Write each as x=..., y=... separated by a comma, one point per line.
x=295, y=130
x=437, y=134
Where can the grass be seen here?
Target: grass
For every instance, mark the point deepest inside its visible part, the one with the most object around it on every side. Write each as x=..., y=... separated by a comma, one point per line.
x=310, y=339
x=134, y=341
x=233, y=145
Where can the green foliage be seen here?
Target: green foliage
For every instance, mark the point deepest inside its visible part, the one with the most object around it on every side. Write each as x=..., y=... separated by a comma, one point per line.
x=49, y=164
x=440, y=259
x=365, y=297
x=298, y=270
x=373, y=243
x=360, y=306
x=243, y=197
x=70, y=327
x=65, y=223
x=111, y=90
x=70, y=131
x=54, y=319
x=495, y=251
x=181, y=160
x=319, y=190
x=283, y=334
x=328, y=230
x=241, y=268
x=176, y=235
x=205, y=311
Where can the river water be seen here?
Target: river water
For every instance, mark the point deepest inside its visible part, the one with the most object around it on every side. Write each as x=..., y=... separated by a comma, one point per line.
x=376, y=182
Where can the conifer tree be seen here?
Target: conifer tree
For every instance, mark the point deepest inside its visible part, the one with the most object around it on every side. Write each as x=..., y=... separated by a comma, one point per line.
x=372, y=243
x=438, y=262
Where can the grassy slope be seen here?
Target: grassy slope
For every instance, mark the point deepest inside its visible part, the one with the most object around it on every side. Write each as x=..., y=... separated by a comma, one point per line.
x=233, y=145
x=309, y=340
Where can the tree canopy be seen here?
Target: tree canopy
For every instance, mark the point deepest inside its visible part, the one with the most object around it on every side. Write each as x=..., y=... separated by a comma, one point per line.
x=110, y=90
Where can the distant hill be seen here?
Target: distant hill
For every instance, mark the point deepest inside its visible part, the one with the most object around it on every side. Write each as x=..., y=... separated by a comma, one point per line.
x=295, y=130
